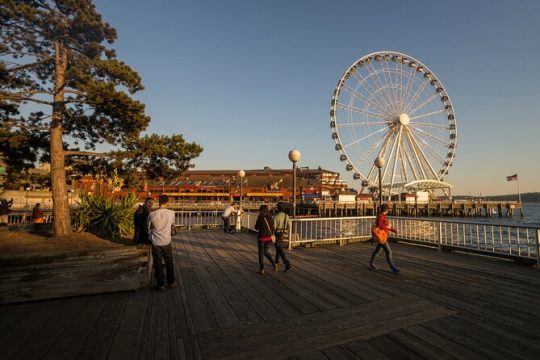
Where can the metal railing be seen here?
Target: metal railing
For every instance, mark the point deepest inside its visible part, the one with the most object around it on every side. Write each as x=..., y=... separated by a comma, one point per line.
x=26, y=217
x=486, y=238
x=321, y=230
x=511, y=241
x=199, y=219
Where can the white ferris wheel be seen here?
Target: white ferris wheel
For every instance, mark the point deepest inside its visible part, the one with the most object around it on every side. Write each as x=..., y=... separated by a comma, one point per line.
x=390, y=105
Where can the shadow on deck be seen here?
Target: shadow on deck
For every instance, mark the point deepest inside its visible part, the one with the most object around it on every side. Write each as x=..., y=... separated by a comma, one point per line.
x=330, y=305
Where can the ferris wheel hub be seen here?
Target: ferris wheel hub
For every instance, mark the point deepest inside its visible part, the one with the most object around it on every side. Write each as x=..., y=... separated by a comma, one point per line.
x=404, y=119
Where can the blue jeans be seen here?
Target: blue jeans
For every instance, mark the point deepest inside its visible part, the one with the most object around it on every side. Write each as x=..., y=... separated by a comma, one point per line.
x=280, y=253
x=387, y=250
x=263, y=252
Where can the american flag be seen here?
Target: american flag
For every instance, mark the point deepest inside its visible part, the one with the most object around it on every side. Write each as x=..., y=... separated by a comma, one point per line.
x=511, y=177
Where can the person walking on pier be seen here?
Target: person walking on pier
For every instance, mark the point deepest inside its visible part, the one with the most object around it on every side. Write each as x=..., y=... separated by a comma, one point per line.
x=380, y=232
x=265, y=225
x=282, y=223
x=160, y=223
x=226, y=217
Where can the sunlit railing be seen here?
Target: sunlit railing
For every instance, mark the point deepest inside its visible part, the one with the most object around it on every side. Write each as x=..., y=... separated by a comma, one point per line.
x=486, y=238
x=489, y=239
x=198, y=219
x=521, y=242
x=26, y=217
x=342, y=230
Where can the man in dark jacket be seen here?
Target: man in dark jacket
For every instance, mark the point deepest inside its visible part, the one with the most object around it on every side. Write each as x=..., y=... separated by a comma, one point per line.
x=140, y=219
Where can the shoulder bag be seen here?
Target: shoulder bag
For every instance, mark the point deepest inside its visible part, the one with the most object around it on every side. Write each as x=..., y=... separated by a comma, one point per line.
x=269, y=228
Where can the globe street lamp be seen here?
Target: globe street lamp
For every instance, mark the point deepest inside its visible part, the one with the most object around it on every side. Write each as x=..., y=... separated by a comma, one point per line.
x=379, y=163
x=241, y=174
x=294, y=156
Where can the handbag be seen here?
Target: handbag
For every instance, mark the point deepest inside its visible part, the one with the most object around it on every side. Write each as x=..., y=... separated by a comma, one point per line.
x=273, y=237
x=379, y=234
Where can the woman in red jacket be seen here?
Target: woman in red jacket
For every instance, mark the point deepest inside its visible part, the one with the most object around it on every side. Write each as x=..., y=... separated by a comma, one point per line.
x=383, y=224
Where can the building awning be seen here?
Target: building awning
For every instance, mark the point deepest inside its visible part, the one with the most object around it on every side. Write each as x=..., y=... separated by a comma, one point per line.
x=263, y=194
x=197, y=194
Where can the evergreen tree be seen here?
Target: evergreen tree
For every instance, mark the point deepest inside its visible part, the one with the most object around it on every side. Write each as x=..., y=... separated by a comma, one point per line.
x=54, y=55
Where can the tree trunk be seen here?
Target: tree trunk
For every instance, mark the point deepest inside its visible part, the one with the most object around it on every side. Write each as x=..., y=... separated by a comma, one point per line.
x=62, y=222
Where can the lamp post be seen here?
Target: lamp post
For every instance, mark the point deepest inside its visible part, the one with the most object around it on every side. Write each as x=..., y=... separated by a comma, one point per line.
x=294, y=156
x=241, y=174
x=379, y=163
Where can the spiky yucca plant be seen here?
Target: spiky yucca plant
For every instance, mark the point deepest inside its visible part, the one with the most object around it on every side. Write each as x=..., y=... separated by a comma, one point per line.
x=105, y=215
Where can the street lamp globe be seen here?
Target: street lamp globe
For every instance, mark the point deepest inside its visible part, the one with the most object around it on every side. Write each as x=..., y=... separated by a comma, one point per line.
x=294, y=155
x=241, y=173
x=379, y=162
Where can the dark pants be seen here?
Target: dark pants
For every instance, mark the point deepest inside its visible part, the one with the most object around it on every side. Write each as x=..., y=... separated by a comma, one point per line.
x=226, y=224
x=280, y=253
x=387, y=250
x=158, y=254
x=263, y=251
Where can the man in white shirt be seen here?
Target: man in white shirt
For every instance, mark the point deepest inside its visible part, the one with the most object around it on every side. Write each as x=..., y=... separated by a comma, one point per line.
x=160, y=223
x=226, y=217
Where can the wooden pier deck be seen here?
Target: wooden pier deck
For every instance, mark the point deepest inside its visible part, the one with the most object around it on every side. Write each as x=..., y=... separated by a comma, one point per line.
x=330, y=306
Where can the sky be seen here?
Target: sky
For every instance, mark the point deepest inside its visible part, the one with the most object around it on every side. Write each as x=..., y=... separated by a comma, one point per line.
x=249, y=80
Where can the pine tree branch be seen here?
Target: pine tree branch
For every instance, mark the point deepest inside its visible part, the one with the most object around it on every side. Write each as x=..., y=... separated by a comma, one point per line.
x=26, y=66
x=85, y=153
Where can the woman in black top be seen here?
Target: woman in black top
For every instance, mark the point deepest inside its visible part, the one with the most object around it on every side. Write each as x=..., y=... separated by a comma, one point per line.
x=265, y=225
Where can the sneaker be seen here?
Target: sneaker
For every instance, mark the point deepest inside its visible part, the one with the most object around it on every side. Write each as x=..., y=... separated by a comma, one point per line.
x=173, y=285
x=373, y=266
x=260, y=272
x=289, y=267
x=396, y=270
x=276, y=268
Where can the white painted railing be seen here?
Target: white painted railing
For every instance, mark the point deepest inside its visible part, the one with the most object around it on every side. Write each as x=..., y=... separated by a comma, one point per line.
x=510, y=241
x=486, y=238
x=198, y=219
x=26, y=217
x=490, y=239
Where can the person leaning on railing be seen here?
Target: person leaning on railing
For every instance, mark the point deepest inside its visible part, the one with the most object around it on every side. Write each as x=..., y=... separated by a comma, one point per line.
x=380, y=233
x=226, y=217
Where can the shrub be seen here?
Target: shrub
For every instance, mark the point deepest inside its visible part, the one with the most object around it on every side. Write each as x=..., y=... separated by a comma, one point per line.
x=104, y=215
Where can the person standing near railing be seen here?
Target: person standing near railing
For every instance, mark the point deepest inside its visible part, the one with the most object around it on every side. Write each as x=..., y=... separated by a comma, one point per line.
x=226, y=217
x=160, y=223
x=282, y=223
x=380, y=233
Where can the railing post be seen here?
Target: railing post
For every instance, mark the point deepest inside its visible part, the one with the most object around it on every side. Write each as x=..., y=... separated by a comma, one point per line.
x=290, y=235
x=537, y=249
x=340, y=232
x=440, y=236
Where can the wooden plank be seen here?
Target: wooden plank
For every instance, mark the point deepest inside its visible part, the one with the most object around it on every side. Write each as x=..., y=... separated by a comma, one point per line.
x=457, y=350
x=103, y=331
x=27, y=324
x=75, y=333
x=364, y=350
x=126, y=341
x=36, y=346
x=301, y=304
x=223, y=312
x=326, y=334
